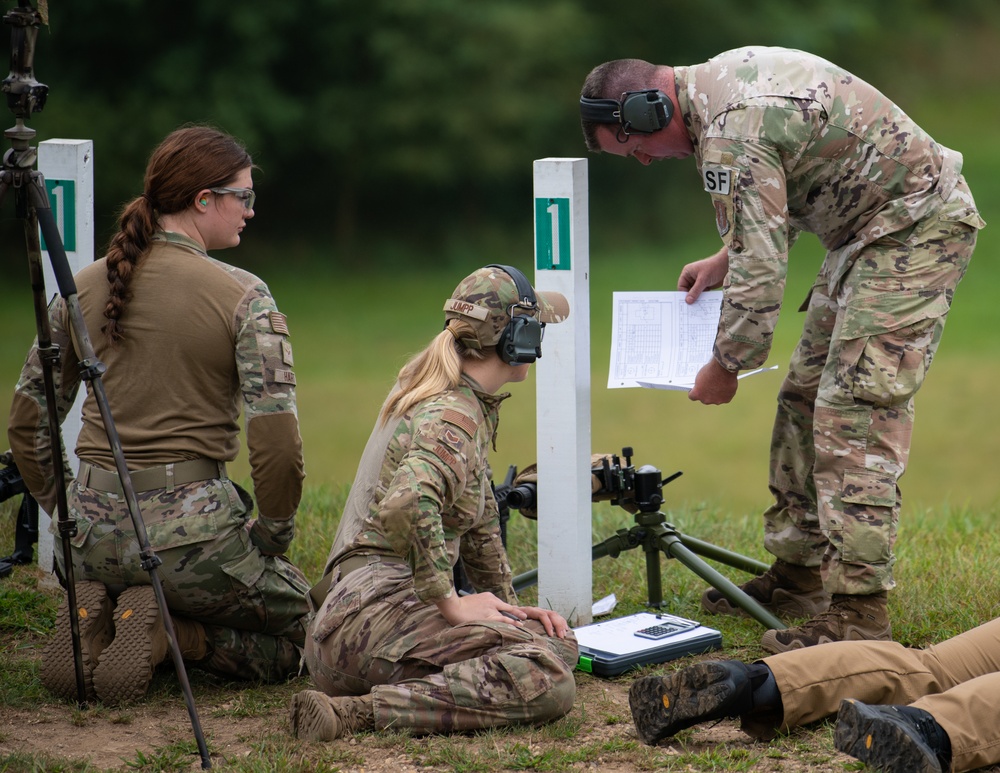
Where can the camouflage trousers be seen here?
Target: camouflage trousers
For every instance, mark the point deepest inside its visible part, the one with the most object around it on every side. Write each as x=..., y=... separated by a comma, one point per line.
x=957, y=681
x=253, y=607
x=841, y=437
x=373, y=635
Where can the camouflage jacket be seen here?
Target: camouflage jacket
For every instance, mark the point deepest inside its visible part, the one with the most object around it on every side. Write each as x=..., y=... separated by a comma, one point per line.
x=422, y=494
x=203, y=339
x=787, y=142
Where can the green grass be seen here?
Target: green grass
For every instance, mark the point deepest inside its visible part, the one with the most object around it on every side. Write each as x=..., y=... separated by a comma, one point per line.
x=944, y=587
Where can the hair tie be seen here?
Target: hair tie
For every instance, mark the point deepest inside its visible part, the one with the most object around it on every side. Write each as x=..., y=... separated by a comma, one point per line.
x=464, y=341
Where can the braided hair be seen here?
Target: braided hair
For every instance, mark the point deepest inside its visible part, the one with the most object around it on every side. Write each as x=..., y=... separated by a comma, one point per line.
x=188, y=160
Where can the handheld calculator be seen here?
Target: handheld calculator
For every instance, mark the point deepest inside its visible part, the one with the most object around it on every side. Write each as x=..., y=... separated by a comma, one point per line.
x=668, y=626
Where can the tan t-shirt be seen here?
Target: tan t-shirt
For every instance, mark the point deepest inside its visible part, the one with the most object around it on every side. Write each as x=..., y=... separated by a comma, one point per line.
x=203, y=340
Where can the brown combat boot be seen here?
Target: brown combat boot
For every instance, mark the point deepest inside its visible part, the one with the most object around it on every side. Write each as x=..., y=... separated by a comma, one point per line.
x=662, y=706
x=786, y=590
x=893, y=739
x=191, y=638
x=849, y=618
x=316, y=716
x=58, y=668
x=140, y=644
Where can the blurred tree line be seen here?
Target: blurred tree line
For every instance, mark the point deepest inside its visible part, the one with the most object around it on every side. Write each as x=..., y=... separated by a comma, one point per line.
x=392, y=124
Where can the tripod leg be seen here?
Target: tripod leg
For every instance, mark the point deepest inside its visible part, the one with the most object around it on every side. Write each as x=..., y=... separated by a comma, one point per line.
x=67, y=528
x=672, y=545
x=92, y=370
x=525, y=580
x=624, y=539
x=723, y=556
x=654, y=584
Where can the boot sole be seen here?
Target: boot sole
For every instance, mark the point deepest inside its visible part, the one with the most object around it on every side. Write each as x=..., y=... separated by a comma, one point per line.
x=126, y=668
x=58, y=667
x=664, y=705
x=311, y=717
x=864, y=733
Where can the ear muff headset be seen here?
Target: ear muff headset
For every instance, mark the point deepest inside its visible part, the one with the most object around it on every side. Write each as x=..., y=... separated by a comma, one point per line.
x=521, y=340
x=637, y=112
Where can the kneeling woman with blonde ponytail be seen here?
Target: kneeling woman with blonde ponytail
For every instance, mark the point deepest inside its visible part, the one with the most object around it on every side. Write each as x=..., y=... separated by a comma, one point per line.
x=393, y=644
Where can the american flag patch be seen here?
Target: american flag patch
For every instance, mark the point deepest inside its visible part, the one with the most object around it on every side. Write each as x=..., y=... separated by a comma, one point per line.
x=459, y=420
x=279, y=323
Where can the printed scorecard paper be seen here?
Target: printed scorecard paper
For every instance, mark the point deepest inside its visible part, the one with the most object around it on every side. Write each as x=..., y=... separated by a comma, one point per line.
x=659, y=341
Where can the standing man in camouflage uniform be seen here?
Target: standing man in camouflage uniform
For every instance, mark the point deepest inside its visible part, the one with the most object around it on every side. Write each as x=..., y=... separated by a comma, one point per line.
x=187, y=341
x=391, y=628
x=788, y=142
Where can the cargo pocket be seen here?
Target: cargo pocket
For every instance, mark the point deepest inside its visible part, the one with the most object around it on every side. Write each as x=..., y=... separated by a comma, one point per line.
x=886, y=345
x=529, y=677
x=511, y=678
x=340, y=604
x=869, y=497
x=382, y=582
x=244, y=573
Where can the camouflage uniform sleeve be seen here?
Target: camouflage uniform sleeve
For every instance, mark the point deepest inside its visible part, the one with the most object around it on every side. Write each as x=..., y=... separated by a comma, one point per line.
x=28, y=427
x=264, y=361
x=428, y=481
x=485, y=558
x=746, y=181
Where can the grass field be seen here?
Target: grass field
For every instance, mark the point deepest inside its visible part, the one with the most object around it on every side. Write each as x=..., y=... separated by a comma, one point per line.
x=945, y=587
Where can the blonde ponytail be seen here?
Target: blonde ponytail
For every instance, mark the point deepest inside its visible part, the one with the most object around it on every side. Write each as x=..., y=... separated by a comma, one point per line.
x=436, y=369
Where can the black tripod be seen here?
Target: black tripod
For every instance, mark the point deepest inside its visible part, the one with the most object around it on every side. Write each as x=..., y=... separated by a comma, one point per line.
x=24, y=96
x=641, y=491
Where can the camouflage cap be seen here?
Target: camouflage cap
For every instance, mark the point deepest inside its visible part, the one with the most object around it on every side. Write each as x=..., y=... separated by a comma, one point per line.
x=484, y=297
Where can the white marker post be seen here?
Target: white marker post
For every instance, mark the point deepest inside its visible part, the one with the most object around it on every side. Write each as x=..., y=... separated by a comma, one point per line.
x=562, y=263
x=68, y=169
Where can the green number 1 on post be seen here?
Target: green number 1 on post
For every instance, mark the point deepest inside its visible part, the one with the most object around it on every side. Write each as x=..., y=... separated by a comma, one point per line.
x=62, y=199
x=552, y=247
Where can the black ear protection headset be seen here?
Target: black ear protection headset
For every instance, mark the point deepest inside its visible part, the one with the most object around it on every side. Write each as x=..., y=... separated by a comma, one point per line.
x=637, y=112
x=521, y=340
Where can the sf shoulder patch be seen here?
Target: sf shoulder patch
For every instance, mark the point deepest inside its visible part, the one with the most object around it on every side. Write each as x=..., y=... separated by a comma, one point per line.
x=718, y=180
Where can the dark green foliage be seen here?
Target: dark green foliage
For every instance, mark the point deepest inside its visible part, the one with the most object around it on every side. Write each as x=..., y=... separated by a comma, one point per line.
x=417, y=121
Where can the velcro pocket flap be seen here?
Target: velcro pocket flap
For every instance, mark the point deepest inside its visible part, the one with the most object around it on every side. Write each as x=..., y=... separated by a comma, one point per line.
x=891, y=311
x=869, y=487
